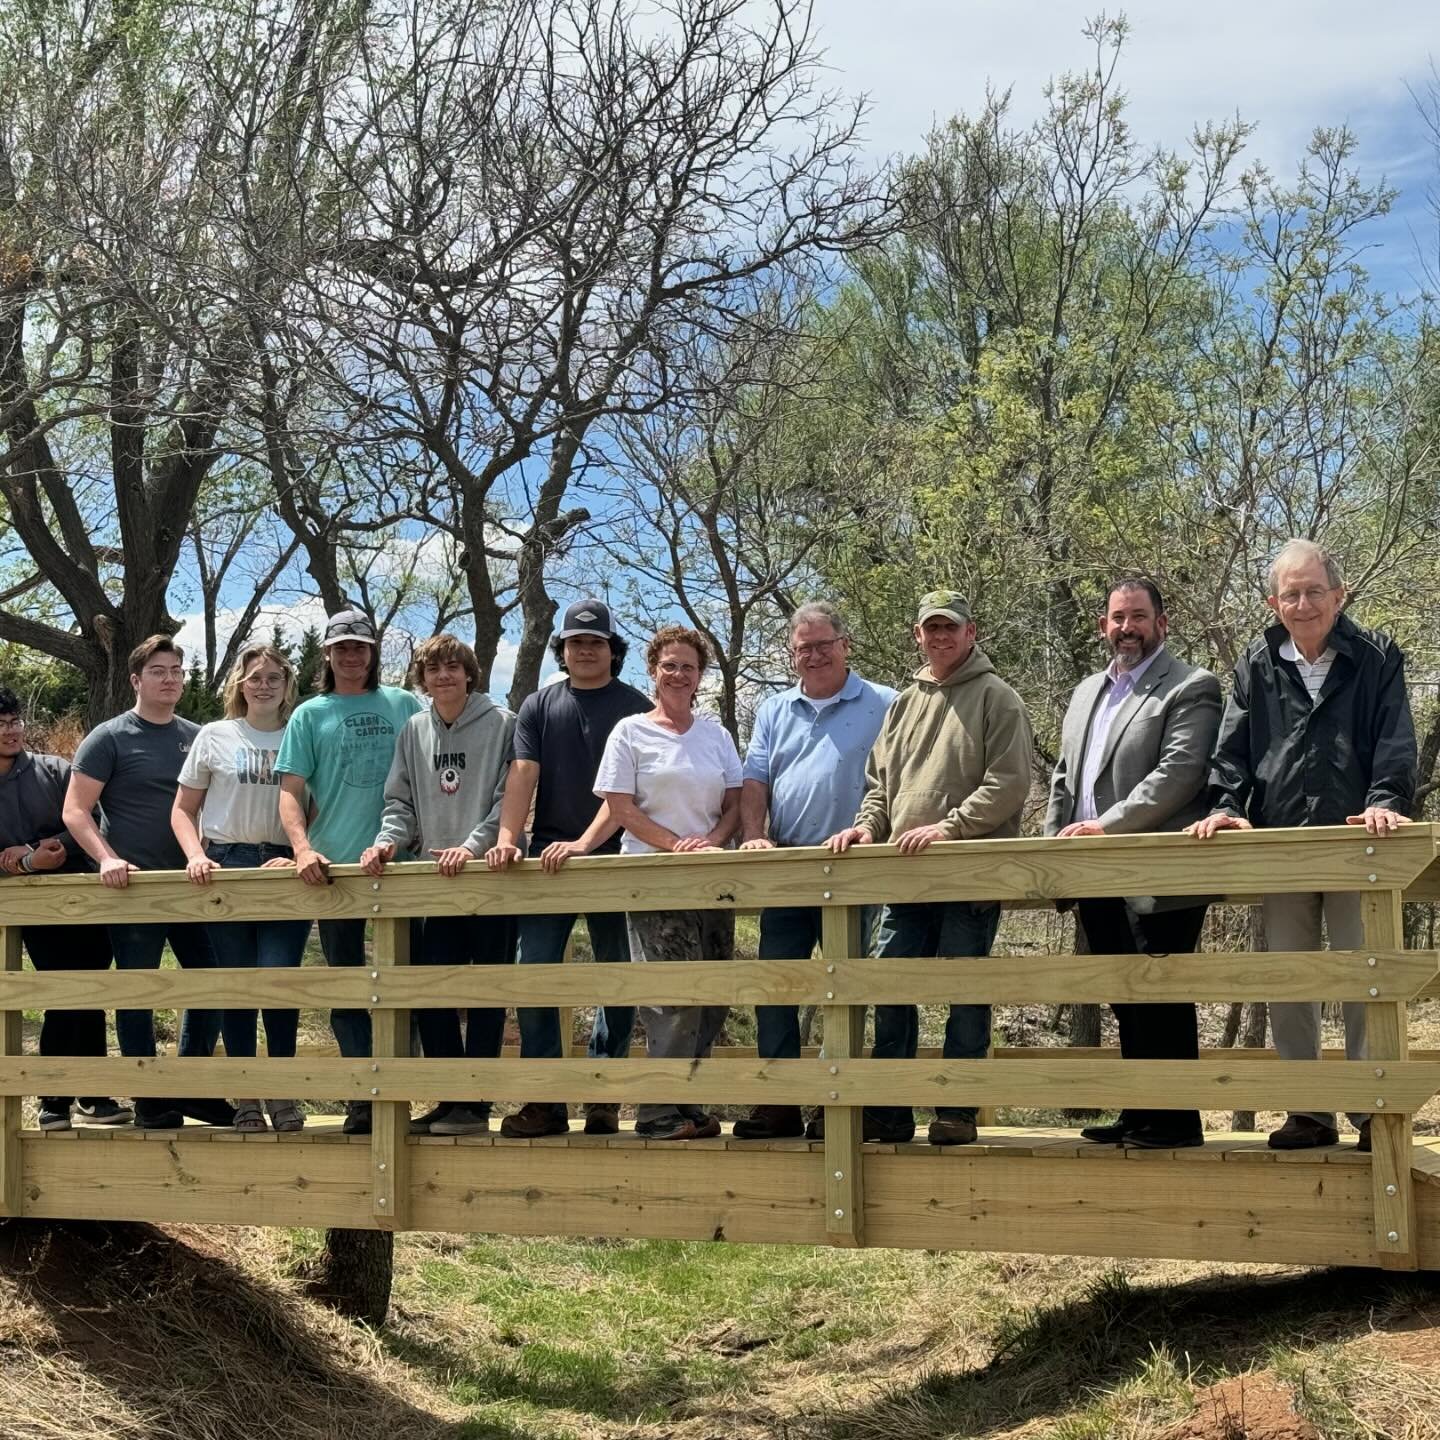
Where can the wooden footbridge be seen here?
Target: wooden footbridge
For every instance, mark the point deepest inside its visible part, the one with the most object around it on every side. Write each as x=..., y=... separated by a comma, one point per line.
x=1019, y=1189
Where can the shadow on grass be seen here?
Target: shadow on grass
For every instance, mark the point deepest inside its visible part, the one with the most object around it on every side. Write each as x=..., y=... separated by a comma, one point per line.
x=1051, y=1359
x=176, y=1333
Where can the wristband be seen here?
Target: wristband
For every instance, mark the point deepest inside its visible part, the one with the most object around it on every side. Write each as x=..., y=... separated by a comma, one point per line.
x=25, y=860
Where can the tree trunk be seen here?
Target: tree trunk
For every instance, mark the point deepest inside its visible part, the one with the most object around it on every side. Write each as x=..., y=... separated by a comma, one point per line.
x=354, y=1274
x=1085, y=1026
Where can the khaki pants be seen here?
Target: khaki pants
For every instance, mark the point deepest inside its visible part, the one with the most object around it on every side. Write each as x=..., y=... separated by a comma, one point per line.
x=1293, y=922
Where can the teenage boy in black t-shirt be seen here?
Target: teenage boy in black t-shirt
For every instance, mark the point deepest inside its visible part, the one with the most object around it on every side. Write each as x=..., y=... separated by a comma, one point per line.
x=560, y=735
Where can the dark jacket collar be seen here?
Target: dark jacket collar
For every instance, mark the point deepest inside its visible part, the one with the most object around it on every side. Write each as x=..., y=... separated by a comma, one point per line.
x=1341, y=638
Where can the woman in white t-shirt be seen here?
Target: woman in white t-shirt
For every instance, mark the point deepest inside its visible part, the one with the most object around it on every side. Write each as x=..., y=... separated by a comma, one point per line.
x=671, y=778
x=229, y=786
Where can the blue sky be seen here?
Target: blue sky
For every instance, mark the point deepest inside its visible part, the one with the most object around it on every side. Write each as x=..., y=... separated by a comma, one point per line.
x=1285, y=66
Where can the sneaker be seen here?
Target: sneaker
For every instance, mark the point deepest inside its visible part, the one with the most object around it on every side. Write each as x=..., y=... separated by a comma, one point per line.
x=357, y=1117
x=532, y=1121
x=669, y=1127
x=285, y=1115
x=102, y=1111
x=462, y=1120
x=54, y=1115
x=707, y=1127
x=955, y=1131
x=249, y=1117
x=208, y=1112
x=815, y=1126
x=1362, y=1143
x=771, y=1122
x=421, y=1124
x=1300, y=1132
x=602, y=1119
x=147, y=1119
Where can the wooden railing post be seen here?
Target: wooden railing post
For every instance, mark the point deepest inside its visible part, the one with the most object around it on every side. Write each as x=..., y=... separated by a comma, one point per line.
x=844, y=1036
x=11, y=1194
x=390, y=1119
x=1387, y=1037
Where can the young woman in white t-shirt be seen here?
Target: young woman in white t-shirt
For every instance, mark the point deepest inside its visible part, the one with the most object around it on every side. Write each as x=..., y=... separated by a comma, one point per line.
x=229, y=786
x=671, y=778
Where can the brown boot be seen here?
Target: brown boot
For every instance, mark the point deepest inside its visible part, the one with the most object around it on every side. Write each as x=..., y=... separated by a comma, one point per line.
x=602, y=1119
x=532, y=1121
x=771, y=1122
x=1300, y=1132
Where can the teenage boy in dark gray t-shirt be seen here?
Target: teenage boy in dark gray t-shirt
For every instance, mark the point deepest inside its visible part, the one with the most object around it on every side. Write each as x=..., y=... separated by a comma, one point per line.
x=130, y=765
x=560, y=735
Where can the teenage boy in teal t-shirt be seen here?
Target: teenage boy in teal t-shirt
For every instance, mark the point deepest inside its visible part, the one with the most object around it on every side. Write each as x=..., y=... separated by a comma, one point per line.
x=338, y=747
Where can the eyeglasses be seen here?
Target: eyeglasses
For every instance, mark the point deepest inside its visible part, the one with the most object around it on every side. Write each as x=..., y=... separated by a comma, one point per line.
x=1313, y=596
x=820, y=648
x=674, y=667
x=361, y=629
x=12, y=726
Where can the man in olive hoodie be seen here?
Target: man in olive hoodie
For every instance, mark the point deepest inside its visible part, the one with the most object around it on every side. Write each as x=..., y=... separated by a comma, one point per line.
x=952, y=762
x=442, y=799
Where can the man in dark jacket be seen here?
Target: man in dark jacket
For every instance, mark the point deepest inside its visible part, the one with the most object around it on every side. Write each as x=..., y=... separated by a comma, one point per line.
x=1317, y=731
x=34, y=841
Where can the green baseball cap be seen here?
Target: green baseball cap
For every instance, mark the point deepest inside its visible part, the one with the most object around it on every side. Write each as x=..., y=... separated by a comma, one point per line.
x=949, y=603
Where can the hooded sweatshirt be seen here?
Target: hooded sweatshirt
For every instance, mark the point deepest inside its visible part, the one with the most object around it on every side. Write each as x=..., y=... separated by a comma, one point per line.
x=953, y=752
x=446, y=781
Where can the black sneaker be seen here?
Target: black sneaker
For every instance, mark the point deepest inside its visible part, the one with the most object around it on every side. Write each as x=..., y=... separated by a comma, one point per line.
x=357, y=1117
x=54, y=1115
x=208, y=1112
x=103, y=1111
x=148, y=1119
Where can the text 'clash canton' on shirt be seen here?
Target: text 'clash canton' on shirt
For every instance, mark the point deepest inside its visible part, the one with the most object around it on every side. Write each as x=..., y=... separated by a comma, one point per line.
x=342, y=746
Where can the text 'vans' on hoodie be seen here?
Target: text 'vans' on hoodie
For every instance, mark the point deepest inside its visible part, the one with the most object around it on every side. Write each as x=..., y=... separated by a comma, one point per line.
x=954, y=752
x=446, y=781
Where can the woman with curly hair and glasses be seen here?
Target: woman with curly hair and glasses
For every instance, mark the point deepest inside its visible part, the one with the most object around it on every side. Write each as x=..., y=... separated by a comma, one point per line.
x=671, y=778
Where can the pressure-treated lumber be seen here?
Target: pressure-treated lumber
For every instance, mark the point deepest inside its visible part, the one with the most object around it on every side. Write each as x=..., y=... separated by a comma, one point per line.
x=1042, y=1082
x=1328, y=858
x=1392, y=973
x=11, y=1190
x=390, y=1119
x=1386, y=1042
x=844, y=1030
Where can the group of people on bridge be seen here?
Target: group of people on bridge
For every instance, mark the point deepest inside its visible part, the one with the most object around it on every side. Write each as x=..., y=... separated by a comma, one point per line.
x=1317, y=730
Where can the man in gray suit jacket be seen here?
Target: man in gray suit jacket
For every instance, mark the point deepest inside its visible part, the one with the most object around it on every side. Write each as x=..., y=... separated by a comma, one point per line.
x=1134, y=756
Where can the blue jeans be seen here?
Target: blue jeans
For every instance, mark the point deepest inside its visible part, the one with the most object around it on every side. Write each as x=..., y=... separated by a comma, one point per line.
x=138, y=947
x=69, y=1032
x=951, y=928
x=542, y=942
x=267, y=944
x=790, y=933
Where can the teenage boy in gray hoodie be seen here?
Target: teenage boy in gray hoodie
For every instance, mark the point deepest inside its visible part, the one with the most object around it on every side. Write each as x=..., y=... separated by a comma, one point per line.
x=442, y=798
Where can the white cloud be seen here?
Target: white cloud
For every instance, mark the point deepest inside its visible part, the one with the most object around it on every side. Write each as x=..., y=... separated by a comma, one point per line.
x=1288, y=65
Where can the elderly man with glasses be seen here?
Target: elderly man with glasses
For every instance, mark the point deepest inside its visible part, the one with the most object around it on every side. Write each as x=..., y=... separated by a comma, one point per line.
x=1317, y=731
x=805, y=772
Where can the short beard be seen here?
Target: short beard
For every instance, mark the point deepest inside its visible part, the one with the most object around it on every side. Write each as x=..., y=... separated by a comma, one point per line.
x=1127, y=662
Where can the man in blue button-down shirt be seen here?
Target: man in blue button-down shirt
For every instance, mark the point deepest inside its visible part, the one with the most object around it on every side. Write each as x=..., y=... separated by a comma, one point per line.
x=806, y=768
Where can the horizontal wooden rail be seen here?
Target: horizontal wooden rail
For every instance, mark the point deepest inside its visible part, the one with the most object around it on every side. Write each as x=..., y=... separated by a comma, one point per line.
x=998, y=980
x=1398, y=1086
x=1330, y=858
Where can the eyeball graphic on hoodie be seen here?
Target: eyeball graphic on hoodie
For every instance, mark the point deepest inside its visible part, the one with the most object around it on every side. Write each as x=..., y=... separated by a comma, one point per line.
x=449, y=780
